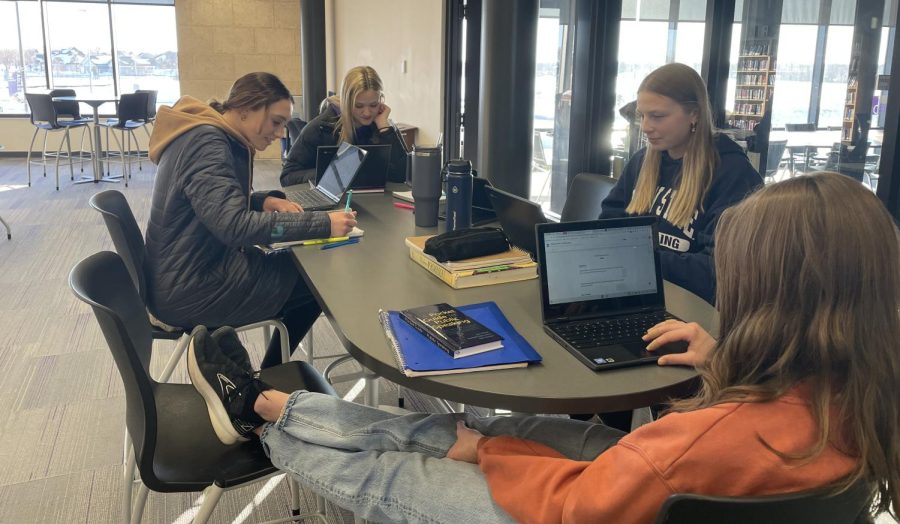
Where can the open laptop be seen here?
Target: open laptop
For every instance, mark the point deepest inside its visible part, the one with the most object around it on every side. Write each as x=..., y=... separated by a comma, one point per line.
x=482, y=208
x=602, y=288
x=372, y=175
x=334, y=183
x=517, y=217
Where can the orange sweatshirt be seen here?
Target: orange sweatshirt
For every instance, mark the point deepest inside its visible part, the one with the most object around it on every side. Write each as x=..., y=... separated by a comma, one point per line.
x=712, y=451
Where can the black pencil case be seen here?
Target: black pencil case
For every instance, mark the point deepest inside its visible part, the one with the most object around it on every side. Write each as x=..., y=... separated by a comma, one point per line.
x=467, y=243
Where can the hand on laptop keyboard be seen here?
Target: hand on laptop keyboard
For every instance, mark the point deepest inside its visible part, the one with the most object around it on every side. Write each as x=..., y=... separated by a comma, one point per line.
x=700, y=343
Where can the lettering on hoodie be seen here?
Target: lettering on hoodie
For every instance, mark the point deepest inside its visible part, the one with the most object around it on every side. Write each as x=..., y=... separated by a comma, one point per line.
x=662, y=204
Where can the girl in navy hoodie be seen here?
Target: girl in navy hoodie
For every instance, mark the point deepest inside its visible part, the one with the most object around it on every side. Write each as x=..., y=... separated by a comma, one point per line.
x=687, y=175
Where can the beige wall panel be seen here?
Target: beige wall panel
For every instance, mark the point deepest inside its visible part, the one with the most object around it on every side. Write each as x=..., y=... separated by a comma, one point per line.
x=384, y=33
x=233, y=40
x=211, y=12
x=287, y=14
x=253, y=13
x=244, y=64
x=277, y=41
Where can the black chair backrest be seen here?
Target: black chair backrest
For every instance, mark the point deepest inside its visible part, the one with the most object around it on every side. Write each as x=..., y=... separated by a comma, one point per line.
x=774, y=154
x=800, y=127
x=102, y=281
x=849, y=507
x=125, y=233
x=68, y=108
x=42, y=109
x=132, y=106
x=151, y=102
x=587, y=192
x=294, y=127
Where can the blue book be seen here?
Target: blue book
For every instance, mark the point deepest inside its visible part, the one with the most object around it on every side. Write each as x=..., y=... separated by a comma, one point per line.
x=417, y=356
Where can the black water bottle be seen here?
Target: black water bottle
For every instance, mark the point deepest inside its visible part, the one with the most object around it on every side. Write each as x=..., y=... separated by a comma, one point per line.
x=459, y=194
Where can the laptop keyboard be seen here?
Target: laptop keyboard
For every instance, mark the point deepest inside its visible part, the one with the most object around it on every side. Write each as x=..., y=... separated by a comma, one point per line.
x=599, y=332
x=308, y=198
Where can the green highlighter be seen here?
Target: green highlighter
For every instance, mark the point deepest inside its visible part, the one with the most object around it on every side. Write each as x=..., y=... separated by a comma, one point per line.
x=349, y=197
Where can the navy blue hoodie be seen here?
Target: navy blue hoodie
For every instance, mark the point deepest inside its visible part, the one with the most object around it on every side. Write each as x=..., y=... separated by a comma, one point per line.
x=686, y=253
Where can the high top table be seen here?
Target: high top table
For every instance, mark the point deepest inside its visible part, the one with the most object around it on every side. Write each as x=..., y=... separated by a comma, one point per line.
x=96, y=160
x=352, y=282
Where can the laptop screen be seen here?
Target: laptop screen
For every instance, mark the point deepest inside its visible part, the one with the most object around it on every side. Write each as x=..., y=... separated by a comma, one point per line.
x=599, y=267
x=340, y=171
x=374, y=170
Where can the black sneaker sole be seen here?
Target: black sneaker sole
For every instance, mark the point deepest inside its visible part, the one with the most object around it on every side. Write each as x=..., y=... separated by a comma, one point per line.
x=218, y=416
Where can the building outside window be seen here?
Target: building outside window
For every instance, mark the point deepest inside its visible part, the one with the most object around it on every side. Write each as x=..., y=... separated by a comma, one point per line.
x=99, y=48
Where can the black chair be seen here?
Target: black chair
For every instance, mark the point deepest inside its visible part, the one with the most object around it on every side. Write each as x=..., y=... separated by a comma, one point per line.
x=150, y=115
x=175, y=447
x=812, y=507
x=44, y=117
x=129, y=243
x=587, y=192
x=294, y=127
x=773, y=158
x=131, y=114
x=70, y=110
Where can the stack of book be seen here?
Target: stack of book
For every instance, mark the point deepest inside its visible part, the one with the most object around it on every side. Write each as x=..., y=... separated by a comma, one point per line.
x=509, y=266
x=419, y=355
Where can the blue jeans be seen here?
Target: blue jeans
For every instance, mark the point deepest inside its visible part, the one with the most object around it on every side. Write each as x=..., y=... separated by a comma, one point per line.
x=390, y=468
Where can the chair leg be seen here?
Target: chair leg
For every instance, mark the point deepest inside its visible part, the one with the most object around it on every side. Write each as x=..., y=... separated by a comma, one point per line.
x=127, y=480
x=173, y=361
x=69, y=149
x=295, y=494
x=139, y=503
x=58, y=151
x=44, y=154
x=122, y=152
x=211, y=496
x=81, y=147
x=28, y=157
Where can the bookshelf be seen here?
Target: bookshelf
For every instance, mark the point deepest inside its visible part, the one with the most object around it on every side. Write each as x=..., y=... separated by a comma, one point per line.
x=850, y=104
x=753, y=89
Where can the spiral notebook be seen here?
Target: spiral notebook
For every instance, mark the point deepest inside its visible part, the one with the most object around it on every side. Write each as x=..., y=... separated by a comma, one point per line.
x=417, y=356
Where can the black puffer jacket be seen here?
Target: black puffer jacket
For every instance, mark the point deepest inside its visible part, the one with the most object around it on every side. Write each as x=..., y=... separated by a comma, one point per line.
x=201, y=265
x=300, y=163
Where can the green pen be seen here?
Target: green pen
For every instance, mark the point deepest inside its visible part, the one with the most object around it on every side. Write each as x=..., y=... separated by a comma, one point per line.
x=347, y=205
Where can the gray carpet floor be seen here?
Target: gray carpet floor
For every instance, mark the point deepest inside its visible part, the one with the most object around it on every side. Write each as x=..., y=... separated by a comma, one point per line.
x=61, y=400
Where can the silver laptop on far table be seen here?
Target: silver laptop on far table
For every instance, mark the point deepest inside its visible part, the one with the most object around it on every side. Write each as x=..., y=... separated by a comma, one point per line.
x=335, y=181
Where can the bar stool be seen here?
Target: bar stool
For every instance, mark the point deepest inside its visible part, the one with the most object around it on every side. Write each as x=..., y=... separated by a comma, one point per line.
x=44, y=117
x=131, y=114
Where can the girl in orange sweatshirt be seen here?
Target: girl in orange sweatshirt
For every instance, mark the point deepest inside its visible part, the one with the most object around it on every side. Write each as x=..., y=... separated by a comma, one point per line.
x=799, y=392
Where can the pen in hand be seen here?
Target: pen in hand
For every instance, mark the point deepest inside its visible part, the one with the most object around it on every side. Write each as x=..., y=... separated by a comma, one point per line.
x=347, y=205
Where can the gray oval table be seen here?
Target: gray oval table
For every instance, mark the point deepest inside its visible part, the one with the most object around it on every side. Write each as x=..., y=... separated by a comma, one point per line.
x=352, y=282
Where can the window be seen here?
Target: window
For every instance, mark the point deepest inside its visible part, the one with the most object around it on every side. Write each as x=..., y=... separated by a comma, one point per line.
x=11, y=80
x=99, y=48
x=834, y=81
x=552, y=96
x=652, y=33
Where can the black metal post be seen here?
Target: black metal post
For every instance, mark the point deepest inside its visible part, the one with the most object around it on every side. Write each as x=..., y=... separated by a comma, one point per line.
x=312, y=55
x=508, y=50
x=716, y=62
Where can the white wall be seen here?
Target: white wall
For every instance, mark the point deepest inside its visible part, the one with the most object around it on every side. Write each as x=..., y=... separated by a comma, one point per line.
x=384, y=33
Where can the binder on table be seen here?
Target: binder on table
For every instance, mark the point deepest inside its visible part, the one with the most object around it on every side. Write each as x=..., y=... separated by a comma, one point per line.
x=417, y=356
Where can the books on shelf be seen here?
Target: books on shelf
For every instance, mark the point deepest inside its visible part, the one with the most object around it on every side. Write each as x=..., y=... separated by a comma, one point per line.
x=281, y=246
x=417, y=356
x=452, y=330
x=510, y=266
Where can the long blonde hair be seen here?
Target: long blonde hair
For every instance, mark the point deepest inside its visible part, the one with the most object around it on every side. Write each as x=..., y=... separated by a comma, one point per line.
x=683, y=85
x=358, y=80
x=809, y=291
